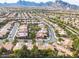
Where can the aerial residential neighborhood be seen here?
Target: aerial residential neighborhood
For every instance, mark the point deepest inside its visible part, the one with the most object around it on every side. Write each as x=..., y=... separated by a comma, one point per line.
x=39, y=30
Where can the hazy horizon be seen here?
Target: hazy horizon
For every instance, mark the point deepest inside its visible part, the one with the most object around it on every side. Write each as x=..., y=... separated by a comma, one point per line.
x=14, y=1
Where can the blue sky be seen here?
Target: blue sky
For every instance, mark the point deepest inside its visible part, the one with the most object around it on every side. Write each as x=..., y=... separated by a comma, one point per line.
x=13, y=1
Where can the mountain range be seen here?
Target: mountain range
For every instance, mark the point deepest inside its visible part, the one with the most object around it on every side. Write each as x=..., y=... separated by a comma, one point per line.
x=56, y=4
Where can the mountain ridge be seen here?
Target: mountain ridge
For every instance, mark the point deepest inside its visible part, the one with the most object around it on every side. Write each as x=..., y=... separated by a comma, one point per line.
x=57, y=4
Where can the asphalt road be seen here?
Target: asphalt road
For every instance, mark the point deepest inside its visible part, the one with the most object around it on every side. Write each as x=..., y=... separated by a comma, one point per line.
x=51, y=33
x=13, y=32
x=52, y=36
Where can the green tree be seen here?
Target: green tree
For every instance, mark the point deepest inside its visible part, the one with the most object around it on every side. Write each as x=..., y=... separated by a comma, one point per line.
x=15, y=41
x=6, y=40
x=23, y=53
x=76, y=47
x=3, y=51
x=48, y=53
x=32, y=35
x=76, y=44
x=34, y=52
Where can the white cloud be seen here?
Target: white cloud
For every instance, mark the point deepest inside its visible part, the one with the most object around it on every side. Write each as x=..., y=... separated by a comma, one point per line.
x=39, y=0
x=11, y=1
x=73, y=1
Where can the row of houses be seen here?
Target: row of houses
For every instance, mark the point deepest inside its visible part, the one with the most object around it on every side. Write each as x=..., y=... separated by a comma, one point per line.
x=55, y=46
x=17, y=15
x=11, y=15
x=59, y=29
x=42, y=34
x=9, y=46
x=22, y=31
x=72, y=20
x=64, y=47
x=4, y=30
x=2, y=19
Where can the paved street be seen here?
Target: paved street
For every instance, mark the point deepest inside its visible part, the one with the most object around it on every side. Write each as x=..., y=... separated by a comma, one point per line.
x=52, y=36
x=51, y=33
x=13, y=32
